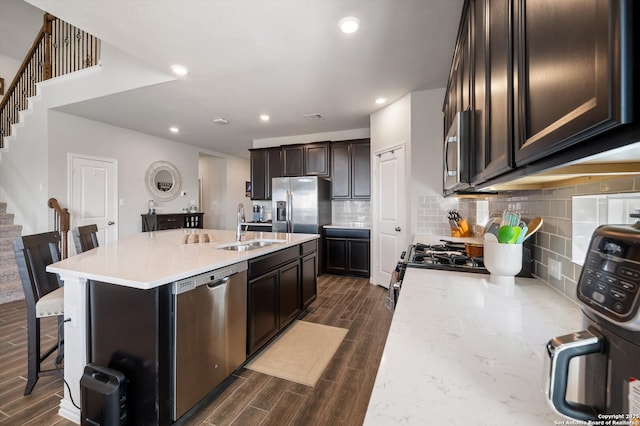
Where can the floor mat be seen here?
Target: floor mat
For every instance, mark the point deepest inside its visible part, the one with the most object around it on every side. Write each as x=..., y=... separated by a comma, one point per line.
x=301, y=353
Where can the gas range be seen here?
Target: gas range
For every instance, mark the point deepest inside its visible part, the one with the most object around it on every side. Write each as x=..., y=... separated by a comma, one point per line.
x=445, y=256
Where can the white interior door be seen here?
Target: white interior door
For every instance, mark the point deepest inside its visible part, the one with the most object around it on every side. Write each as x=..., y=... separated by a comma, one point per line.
x=390, y=213
x=94, y=195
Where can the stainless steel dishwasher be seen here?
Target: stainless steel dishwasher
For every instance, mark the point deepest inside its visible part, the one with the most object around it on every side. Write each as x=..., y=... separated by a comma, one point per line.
x=209, y=332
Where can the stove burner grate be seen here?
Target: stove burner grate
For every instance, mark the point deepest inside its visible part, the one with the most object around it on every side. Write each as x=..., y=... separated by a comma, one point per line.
x=444, y=256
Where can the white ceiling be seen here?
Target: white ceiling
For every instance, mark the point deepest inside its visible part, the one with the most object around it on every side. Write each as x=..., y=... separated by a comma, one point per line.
x=285, y=58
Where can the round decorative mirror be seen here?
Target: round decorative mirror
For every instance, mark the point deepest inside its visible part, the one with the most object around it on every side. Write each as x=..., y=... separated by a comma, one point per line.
x=163, y=181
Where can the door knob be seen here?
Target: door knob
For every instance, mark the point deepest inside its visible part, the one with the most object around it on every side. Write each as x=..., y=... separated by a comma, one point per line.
x=111, y=222
x=398, y=229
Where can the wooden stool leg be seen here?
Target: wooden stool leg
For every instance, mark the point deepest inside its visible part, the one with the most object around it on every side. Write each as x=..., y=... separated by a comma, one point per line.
x=33, y=352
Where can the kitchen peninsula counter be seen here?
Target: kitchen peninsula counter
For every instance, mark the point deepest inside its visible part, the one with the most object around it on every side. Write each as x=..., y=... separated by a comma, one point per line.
x=144, y=263
x=464, y=351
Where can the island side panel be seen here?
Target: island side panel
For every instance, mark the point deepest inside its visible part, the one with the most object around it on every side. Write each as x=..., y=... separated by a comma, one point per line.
x=75, y=344
x=130, y=331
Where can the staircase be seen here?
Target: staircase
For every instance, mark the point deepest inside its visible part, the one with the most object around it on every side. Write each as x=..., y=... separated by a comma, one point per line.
x=10, y=284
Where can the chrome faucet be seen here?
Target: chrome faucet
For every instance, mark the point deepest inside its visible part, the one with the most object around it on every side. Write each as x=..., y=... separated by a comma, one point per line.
x=240, y=220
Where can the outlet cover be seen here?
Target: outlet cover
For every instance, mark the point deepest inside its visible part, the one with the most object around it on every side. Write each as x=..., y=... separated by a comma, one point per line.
x=555, y=269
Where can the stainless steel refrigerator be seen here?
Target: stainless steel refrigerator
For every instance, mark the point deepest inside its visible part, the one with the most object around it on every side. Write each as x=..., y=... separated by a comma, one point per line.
x=300, y=204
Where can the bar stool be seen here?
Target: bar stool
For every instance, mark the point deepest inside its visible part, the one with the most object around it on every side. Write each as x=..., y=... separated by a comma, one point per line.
x=85, y=237
x=44, y=296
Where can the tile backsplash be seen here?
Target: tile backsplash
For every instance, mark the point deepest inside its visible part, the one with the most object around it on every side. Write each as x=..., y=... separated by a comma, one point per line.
x=553, y=241
x=351, y=213
x=432, y=214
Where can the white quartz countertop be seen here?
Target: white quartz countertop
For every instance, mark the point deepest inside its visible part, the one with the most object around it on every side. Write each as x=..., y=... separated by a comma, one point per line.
x=464, y=351
x=352, y=226
x=151, y=259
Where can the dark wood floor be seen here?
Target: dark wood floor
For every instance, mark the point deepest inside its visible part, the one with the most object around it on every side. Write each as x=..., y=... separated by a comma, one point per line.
x=248, y=398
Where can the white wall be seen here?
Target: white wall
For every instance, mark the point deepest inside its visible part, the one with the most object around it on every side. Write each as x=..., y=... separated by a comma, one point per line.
x=134, y=152
x=238, y=172
x=414, y=121
x=390, y=126
x=222, y=180
x=426, y=147
x=26, y=169
x=213, y=177
x=8, y=69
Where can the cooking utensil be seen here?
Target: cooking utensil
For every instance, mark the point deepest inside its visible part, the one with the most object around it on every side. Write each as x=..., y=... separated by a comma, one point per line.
x=523, y=232
x=474, y=249
x=505, y=234
x=490, y=237
x=533, y=225
x=516, y=234
x=492, y=226
x=510, y=218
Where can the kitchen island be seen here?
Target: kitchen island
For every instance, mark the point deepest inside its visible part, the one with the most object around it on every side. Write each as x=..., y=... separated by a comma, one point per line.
x=148, y=263
x=464, y=351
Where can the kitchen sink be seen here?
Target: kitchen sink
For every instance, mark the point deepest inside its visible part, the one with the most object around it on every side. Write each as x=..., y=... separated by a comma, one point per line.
x=248, y=245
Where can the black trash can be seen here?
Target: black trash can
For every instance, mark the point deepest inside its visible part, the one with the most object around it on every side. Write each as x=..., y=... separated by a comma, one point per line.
x=103, y=393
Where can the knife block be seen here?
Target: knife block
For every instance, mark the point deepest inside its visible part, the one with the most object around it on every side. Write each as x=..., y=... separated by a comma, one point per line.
x=462, y=230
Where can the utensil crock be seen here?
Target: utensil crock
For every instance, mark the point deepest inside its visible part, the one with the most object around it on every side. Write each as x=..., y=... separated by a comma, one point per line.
x=503, y=261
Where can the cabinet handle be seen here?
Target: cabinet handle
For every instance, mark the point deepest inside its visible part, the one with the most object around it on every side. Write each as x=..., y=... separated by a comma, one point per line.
x=111, y=222
x=398, y=229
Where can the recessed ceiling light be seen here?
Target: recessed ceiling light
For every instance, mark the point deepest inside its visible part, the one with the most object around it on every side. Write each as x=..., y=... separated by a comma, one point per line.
x=349, y=24
x=174, y=129
x=179, y=69
x=264, y=117
x=380, y=101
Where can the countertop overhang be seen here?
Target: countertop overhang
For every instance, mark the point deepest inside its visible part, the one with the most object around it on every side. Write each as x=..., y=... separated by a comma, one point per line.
x=464, y=351
x=150, y=259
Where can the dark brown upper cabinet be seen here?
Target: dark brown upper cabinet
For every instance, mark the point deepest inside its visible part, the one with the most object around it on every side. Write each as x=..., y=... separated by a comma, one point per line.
x=265, y=164
x=458, y=94
x=316, y=159
x=310, y=159
x=492, y=121
x=571, y=76
x=548, y=81
x=292, y=160
x=351, y=169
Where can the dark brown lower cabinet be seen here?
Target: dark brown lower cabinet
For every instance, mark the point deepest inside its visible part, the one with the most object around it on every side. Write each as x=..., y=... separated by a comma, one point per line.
x=280, y=285
x=289, y=291
x=263, y=310
x=347, y=251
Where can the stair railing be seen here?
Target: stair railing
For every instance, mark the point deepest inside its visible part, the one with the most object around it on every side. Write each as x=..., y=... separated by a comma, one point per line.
x=61, y=223
x=59, y=49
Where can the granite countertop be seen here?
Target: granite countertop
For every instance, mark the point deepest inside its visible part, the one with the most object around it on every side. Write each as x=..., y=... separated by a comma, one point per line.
x=463, y=351
x=151, y=259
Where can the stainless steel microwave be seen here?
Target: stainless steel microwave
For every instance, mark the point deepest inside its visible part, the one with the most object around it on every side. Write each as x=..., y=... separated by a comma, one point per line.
x=456, y=153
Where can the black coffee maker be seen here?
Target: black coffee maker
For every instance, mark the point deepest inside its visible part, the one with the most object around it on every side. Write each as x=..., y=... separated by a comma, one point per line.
x=608, y=349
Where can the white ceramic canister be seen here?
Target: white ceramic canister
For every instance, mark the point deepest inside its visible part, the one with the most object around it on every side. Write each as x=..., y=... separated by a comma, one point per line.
x=503, y=261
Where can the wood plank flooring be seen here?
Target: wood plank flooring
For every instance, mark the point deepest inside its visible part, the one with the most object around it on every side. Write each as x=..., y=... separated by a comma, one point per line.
x=247, y=398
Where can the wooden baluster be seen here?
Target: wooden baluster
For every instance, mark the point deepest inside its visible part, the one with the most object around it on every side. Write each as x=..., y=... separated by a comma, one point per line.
x=47, y=72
